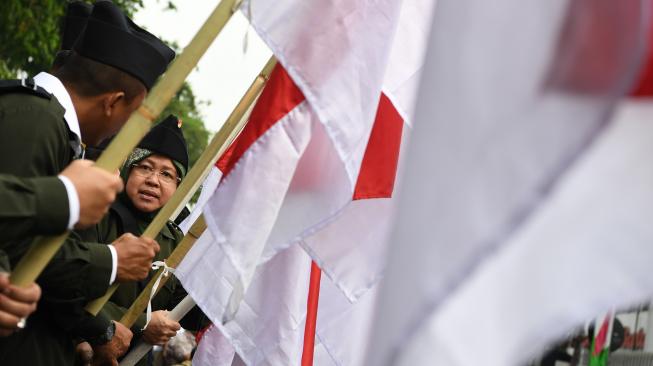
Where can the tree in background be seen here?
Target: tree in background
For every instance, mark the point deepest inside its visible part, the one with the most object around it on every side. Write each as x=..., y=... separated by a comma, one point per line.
x=29, y=33
x=29, y=39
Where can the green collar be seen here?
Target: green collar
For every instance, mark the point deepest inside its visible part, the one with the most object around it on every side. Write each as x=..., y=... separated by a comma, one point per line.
x=167, y=231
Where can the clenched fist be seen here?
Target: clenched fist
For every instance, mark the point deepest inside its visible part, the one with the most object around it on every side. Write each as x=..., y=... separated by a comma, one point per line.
x=96, y=189
x=135, y=255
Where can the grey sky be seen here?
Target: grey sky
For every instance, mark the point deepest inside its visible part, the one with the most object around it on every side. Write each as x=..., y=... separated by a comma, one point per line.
x=225, y=72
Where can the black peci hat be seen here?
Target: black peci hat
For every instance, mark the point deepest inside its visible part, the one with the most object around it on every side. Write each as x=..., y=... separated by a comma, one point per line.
x=113, y=39
x=167, y=139
x=73, y=24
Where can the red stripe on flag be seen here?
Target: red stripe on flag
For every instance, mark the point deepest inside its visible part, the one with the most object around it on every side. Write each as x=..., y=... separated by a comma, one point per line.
x=644, y=85
x=200, y=334
x=278, y=98
x=376, y=178
x=590, y=51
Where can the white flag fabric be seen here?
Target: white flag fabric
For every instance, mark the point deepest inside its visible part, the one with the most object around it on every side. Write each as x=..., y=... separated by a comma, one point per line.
x=512, y=94
x=250, y=215
x=587, y=250
x=337, y=53
x=269, y=327
x=208, y=187
x=350, y=249
x=306, y=177
x=214, y=349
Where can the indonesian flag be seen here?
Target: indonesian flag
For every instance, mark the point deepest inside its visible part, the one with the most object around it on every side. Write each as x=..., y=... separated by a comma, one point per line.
x=524, y=208
x=310, y=178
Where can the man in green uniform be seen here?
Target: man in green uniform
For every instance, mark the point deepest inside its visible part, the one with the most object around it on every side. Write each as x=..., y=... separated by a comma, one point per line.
x=40, y=205
x=90, y=96
x=34, y=205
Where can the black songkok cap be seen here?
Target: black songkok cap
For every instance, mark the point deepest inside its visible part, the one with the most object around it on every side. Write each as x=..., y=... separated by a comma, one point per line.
x=74, y=22
x=167, y=139
x=113, y=39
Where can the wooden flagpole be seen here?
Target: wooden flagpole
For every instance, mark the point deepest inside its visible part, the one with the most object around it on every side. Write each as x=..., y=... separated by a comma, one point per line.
x=311, y=315
x=218, y=145
x=44, y=248
x=139, y=305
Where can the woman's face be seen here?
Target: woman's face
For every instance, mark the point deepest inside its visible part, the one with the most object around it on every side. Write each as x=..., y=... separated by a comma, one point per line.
x=151, y=183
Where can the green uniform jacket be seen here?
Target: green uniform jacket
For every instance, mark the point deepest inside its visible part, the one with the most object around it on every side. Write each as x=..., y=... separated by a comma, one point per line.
x=32, y=205
x=110, y=228
x=34, y=142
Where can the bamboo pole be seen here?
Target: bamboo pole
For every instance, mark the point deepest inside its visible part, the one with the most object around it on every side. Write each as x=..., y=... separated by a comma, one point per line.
x=137, y=307
x=189, y=185
x=44, y=248
x=173, y=261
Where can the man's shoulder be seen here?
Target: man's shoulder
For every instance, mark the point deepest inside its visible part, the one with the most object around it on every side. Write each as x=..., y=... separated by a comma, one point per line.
x=23, y=97
x=23, y=86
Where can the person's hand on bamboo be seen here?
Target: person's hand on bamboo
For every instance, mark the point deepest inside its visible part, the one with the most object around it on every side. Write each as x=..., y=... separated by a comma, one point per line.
x=160, y=328
x=16, y=303
x=108, y=353
x=135, y=255
x=96, y=189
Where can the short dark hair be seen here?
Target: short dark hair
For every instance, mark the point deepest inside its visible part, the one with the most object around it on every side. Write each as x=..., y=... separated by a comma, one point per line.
x=91, y=78
x=60, y=59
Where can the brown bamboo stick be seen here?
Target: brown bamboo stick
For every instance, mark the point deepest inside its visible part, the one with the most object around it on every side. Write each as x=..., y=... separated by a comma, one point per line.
x=189, y=185
x=137, y=307
x=44, y=248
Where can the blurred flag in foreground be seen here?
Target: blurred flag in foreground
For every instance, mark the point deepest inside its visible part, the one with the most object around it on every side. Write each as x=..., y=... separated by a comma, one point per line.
x=517, y=201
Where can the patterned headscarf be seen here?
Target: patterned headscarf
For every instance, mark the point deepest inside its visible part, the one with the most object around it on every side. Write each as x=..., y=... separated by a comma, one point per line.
x=139, y=154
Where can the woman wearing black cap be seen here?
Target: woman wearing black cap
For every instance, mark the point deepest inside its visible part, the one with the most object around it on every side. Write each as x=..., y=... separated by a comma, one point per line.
x=151, y=175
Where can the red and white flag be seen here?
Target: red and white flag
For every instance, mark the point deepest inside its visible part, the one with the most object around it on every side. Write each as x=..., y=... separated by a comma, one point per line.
x=312, y=172
x=524, y=209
